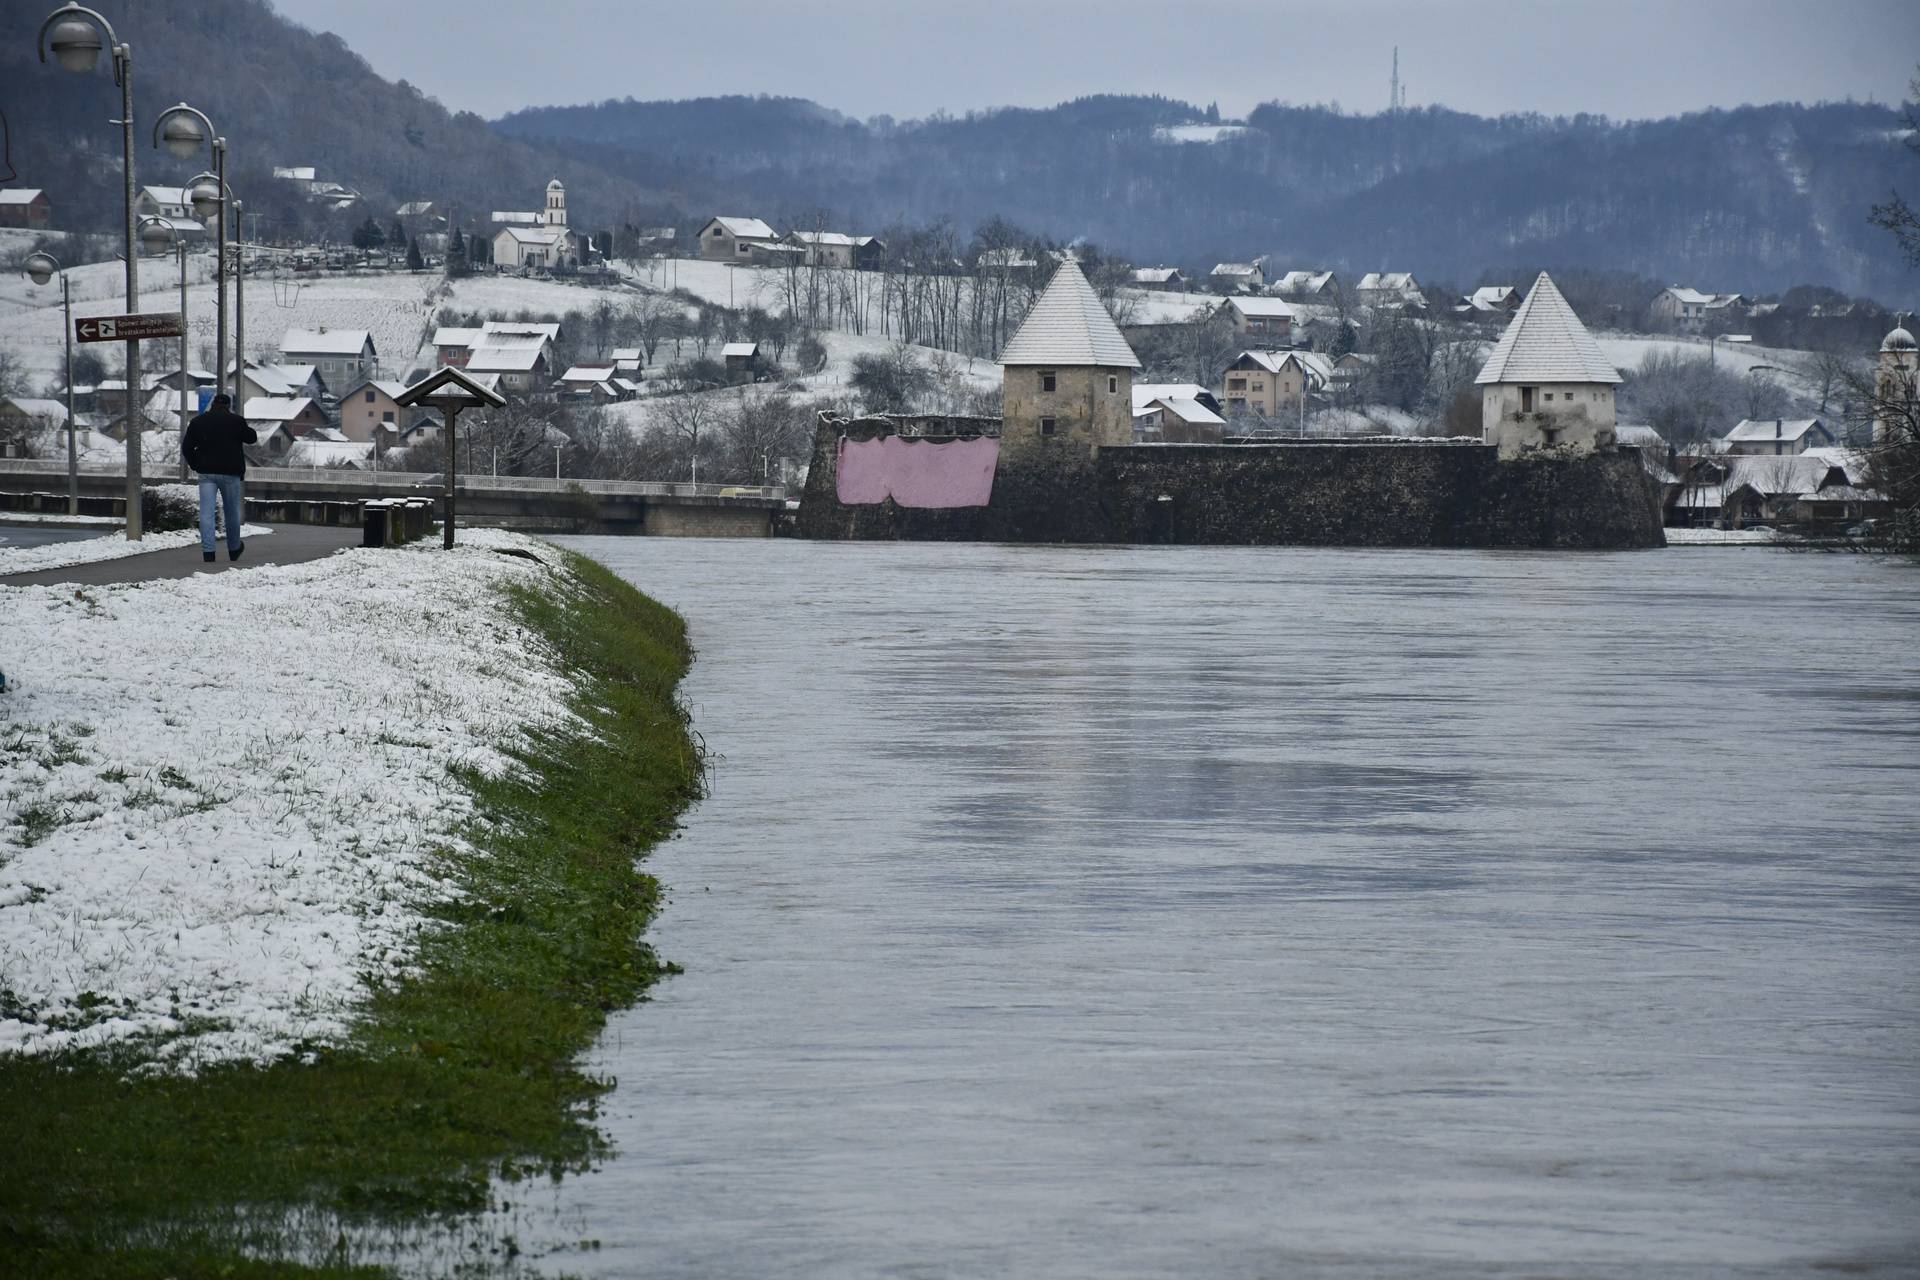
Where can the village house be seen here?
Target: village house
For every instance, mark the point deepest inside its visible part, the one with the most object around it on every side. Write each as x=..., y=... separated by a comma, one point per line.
x=1238, y=277
x=835, y=249
x=1160, y=279
x=25, y=207
x=1067, y=374
x=421, y=211
x=293, y=416
x=1007, y=262
x=1260, y=317
x=599, y=382
x=342, y=356
x=285, y=380
x=1547, y=384
x=23, y=418
x=1823, y=486
x=521, y=367
x=628, y=360
x=1777, y=436
x=1176, y=412
x=172, y=206
x=1267, y=383
x=303, y=175
x=1390, y=290
x=742, y=360
x=1311, y=285
x=728, y=239
x=1489, y=302
x=372, y=407
x=544, y=246
x=452, y=346
x=1691, y=311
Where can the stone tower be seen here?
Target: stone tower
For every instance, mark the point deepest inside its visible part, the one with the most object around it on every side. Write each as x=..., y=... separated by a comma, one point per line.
x=556, y=212
x=1067, y=375
x=1547, y=385
x=1896, y=387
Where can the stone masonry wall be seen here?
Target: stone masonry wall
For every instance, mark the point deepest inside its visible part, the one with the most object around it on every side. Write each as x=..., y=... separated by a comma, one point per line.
x=1398, y=494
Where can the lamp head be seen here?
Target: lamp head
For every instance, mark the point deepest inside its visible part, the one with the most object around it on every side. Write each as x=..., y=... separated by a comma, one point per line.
x=181, y=132
x=155, y=236
x=75, y=43
x=204, y=196
x=41, y=268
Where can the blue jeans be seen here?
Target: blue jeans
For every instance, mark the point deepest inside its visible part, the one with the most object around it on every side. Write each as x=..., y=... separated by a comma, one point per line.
x=228, y=489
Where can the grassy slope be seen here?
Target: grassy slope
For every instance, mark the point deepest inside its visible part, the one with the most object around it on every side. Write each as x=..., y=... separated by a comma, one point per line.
x=465, y=1070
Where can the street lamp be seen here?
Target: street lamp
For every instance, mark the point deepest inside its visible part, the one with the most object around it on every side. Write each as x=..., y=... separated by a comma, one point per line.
x=183, y=130
x=41, y=268
x=77, y=35
x=157, y=235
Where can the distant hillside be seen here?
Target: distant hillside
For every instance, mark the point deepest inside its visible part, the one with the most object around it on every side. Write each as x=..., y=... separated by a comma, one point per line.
x=283, y=95
x=1752, y=199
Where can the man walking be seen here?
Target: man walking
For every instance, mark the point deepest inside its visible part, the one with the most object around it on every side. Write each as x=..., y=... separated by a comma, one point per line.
x=212, y=448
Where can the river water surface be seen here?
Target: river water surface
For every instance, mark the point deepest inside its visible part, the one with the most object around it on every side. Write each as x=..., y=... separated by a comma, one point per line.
x=1241, y=912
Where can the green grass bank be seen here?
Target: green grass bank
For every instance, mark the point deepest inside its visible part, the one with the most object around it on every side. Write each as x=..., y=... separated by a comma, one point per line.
x=463, y=1072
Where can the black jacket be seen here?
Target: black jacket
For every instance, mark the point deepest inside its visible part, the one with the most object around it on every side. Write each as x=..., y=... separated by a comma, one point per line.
x=212, y=443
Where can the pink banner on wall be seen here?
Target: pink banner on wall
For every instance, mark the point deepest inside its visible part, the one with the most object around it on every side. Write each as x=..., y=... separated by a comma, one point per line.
x=917, y=473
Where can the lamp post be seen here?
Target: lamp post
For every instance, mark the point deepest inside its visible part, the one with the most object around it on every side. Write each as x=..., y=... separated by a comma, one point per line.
x=157, y=235
x=183, y=130
x=41, y=269
x=76, y=34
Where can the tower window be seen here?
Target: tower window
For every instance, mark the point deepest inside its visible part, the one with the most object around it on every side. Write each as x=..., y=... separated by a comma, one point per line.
x=1046, y=380
x=1113, y=382
x=1046, y=426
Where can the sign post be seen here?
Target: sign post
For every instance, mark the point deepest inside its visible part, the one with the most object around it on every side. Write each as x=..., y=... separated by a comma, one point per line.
x=450, y=390
x=137, y=327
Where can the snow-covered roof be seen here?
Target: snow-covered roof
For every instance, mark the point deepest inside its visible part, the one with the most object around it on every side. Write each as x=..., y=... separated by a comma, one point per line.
x=387, y=388
x=276, y=408
x=627, y=385
x=513, y=216
x=1005, y=258
x=1235, y=269
x=166, y=195
x=550, y=331
x=835, y=238
x=1638, y=435
x=1155, y=275
x=319, y=452
x=1315, y=365
x=588, y=373
x=492, y=359
x=34, y=407
x=1190, y=411
x=1898, y=340
x=165, y=403
x=625, y=353
x=1145, y=393
x=1304, y=281
x=448, y=336
x=740, y=350
x=414, y=209
x=1695, y=298
x=296, y=172
x=746, y=228
x=20, y=195
x=1388, y=282
x=544, y=236
x=1772, y=429
x=1545, y=342
x=1271, y=308
x=1069, y=326
x=325, y=342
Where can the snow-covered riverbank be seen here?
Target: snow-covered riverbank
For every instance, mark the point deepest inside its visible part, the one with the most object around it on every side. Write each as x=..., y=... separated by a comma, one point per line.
x=224, y=796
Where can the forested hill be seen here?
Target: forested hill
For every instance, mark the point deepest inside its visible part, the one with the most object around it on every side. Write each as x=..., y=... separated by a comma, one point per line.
x=1756, y=198
x=283, y=96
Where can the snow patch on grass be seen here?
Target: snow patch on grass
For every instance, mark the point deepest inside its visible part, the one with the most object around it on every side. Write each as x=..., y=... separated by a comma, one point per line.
x=226, y=798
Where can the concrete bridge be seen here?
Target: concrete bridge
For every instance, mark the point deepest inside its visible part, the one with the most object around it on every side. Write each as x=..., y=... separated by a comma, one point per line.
x=656, y=508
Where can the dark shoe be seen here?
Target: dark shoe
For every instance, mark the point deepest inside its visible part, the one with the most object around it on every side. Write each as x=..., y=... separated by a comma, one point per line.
x=207, y=556
x=233, y=553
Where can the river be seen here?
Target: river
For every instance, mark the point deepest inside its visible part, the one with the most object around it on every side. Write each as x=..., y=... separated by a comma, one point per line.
x=1078, y=912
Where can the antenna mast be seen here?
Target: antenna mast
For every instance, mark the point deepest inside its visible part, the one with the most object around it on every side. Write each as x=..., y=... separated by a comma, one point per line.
x=1393, y=88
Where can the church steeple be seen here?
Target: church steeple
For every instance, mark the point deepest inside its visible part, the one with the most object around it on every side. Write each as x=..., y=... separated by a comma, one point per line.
x=556, y=212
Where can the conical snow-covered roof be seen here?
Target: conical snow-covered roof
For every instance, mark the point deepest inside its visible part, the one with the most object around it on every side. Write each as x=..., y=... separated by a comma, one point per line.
x=1898, y=340
x=1545, y=342
x=1069, y=326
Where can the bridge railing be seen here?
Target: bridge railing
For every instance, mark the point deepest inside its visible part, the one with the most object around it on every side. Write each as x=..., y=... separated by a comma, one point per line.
x=404, y=483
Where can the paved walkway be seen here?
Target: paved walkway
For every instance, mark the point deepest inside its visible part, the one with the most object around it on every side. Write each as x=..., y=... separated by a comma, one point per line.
x=287, y=544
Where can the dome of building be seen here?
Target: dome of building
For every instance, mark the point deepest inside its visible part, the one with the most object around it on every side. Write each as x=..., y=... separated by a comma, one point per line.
x=1899, y=340
x=555, y=185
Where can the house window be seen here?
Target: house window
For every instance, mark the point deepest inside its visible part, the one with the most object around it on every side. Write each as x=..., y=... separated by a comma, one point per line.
x=386, y=415
x=1547, y=396
x=1526, y=399
x=1046, y=426
x=718, y=232
x=1236, y=384
x=1046, y=380
x=370, y=397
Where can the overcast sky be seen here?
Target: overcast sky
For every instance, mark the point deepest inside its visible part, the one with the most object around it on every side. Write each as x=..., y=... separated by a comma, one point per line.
x=1623, y=58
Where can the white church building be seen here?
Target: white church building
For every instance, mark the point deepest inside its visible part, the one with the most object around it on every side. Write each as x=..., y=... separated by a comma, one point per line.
x=546, y=244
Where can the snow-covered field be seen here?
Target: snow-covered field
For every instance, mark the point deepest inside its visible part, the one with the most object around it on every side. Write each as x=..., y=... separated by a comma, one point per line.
x=1721, y=537
x=1628, y=350
x=213, y=843
x=108, y=546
